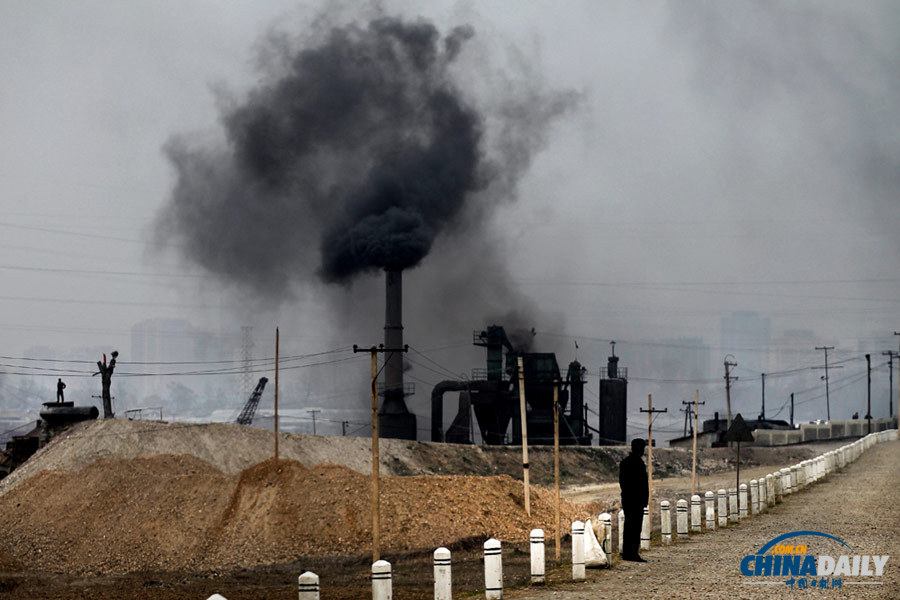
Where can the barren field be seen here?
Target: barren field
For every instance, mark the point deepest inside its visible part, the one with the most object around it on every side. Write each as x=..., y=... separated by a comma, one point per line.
x=120, y=509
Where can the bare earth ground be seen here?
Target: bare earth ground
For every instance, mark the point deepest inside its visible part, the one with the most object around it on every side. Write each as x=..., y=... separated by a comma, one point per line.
x=857, y=505
x=81, y=517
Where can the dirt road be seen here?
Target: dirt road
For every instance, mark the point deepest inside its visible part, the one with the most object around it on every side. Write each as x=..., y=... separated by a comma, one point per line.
x=857, y=505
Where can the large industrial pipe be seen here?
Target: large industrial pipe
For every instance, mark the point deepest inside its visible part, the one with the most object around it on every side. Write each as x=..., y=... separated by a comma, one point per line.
x=437, y=401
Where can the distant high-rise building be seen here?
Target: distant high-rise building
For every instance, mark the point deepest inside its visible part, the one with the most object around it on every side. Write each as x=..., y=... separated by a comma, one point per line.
x=159, y=341
x=748, y=337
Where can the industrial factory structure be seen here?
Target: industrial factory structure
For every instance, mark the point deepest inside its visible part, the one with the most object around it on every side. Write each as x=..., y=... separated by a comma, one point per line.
x=493, y=393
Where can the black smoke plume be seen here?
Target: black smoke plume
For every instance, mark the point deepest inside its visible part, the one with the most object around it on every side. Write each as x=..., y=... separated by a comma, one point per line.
x=355, y=155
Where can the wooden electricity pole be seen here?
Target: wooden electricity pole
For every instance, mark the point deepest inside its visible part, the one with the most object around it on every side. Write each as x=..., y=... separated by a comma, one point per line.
x=898, y=383
x=524, y=436
x=891, y=356
x=694, y=462
x=827, y=396
x=650, y=410
x=556, y=459
x=276, y=398
x=728, y=379
x=376, y=506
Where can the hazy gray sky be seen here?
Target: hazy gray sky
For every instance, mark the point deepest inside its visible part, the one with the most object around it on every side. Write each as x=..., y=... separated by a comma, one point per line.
x=720, y=158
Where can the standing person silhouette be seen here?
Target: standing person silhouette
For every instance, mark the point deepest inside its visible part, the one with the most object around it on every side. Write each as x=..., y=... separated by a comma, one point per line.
x=60, y=386
x=635, y=494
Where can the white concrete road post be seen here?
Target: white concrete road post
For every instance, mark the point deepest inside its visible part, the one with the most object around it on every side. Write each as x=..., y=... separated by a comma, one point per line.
x=578, y=550
x=723, y=507
x=770, y=490
x=443, y=584
x=779, y=486
x=742, y=498
x=493, y=570
x=754, y=496
x=681, y=518
x=710, y=505
x=537, y=557
x=645, y=531
x=308, y=586
x=381, y=580
x=606, y=542
x=621, y=531
x=732, y=505
x=696, y=518
x=665, y=522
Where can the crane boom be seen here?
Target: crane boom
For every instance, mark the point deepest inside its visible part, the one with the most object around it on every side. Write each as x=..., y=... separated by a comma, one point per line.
x=246, y=416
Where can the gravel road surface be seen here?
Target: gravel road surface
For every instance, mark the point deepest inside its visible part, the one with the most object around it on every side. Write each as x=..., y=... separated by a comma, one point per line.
x=858, y=505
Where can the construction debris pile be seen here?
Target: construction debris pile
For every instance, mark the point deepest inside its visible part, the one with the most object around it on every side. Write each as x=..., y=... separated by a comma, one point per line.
x=177, y=513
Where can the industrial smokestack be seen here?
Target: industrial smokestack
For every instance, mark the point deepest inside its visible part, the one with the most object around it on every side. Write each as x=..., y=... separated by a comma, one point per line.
x=394, y=419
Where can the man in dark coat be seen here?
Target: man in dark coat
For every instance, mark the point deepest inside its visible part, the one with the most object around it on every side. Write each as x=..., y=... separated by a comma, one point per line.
x=635, y=494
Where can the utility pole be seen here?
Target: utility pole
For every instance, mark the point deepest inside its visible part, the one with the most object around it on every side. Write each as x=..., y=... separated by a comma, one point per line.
x=687, y=411
x=869, y=391
x=374, y=350
x=827, y=397
x=762, y=415
x=891, y=355
x=524, y=435
x=898, y=366
x=650, y=411
x=694, y=461
x=313, y=412
x=792, y=410
x=276, y=397
x=556, y=462
x=728, y=379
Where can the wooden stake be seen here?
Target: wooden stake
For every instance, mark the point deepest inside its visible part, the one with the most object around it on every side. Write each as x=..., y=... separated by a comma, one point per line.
x=524, y=437
x=276, y=397
x=556, y=458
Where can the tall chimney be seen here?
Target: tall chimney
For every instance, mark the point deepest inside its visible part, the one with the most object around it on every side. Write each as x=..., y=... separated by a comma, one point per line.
x=393, y=331
x=394, y=419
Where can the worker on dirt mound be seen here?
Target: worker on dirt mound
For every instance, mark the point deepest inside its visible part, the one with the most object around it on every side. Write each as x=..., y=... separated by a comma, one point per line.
x=60, y=386
x=635, y=494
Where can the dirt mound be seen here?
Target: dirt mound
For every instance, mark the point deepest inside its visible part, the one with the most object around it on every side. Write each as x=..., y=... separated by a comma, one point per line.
x=115, y=515
x=176, y=512
x=233, y=448
x=8, y=564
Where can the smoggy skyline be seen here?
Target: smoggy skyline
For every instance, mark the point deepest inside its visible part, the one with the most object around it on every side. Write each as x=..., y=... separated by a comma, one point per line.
x=706, y=160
